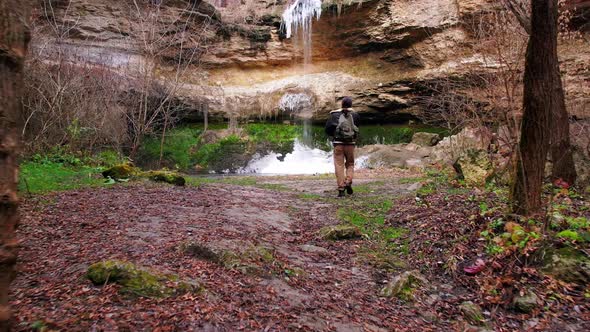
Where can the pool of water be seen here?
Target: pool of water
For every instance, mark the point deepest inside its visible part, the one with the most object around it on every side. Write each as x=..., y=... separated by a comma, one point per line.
x=312, y=151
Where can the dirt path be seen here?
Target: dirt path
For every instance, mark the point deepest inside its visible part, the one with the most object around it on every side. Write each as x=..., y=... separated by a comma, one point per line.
x=277, y=273
x=331, y=289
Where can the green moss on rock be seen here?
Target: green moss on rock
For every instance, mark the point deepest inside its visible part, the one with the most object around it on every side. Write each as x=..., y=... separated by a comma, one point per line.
x=471, y=312
x=165, y=176
x=567, y=264
x=402, y=286
x=340, y=232
x=138, y=281
x=121, y=171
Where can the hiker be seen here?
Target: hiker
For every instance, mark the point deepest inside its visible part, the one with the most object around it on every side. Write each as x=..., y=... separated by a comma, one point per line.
x=342, y=129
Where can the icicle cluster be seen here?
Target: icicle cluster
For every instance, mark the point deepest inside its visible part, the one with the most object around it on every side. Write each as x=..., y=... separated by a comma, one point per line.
x=300, y=14
x=295, y=102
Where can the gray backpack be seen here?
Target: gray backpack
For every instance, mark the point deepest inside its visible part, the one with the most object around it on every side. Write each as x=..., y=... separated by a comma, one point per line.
x=346, y=131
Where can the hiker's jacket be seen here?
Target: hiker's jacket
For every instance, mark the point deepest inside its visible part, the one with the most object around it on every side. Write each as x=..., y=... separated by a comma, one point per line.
x=332, y=123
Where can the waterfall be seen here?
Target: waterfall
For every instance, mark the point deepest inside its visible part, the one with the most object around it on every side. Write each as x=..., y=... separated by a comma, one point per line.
x=297, y=20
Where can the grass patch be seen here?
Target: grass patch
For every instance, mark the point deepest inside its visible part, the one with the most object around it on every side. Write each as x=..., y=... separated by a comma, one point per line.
x=311, y=197
x=176, y=149
x=39, y=178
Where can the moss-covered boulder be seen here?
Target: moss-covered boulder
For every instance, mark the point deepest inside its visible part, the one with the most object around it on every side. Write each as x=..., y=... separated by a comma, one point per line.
x=121, y=171
x=402, y=286
x=567, y=264
x=471, y=312
x=165, y=176
x=340, y=232
x=139, y=281
x=475, y=167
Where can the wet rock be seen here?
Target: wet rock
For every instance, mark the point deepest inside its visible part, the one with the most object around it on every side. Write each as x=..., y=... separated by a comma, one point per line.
x=403, y=285
x=567, y=264
x=138, y=281
x=527, y=303
x=340, y=232
x=425, y=139
x=475, y=167
x=471, y=312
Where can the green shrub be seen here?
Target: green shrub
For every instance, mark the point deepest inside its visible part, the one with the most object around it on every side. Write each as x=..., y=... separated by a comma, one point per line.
x=177, y=147
x=210, y=153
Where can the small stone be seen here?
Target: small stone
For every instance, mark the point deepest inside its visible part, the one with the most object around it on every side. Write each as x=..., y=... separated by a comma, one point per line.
x=527, y=303
x=471, y=312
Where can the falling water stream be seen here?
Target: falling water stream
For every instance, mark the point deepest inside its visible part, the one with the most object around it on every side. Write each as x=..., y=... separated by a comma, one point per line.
x=304, y=159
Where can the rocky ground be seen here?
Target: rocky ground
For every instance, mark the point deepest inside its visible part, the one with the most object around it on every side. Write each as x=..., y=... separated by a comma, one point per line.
x=259, y=255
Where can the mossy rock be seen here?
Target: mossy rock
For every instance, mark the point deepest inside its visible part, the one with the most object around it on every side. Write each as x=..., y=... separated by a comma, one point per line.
x=402, y=286
x=121, y=171
x=139, y=281
x=340, y=232
x=526, y=303
x=471, y=312
x=567, y=264
x=165, y=176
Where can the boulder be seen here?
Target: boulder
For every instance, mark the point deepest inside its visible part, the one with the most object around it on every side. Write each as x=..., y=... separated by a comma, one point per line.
x=450, y=148
x=526, y=303
x=122, y=171
x=475, y=167
x=397, y=155
x=425, y=139
x=471, y=312
x=340, y=232
x=402, y=286
x=165, y=176
x=567, y=264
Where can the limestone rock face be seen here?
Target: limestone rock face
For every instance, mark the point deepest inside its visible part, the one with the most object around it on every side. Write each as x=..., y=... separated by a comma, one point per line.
x=376, y=51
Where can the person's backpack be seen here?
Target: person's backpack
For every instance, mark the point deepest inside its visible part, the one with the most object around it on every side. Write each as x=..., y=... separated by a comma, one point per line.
x=346, y=131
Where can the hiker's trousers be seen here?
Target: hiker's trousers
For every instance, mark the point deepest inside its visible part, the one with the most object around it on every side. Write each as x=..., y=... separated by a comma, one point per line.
x=344, y=164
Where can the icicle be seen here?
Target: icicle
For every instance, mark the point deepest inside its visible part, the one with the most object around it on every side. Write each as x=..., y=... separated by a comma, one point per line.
x=300, y=14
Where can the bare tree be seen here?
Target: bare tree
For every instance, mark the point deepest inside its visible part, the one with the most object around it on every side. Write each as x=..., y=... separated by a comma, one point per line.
x=561, y=149
x=539, y=79
x=14, y=39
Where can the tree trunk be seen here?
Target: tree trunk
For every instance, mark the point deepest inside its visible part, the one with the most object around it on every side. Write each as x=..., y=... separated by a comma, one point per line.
x=14, y=38
x=561, y=149
x=538, y=104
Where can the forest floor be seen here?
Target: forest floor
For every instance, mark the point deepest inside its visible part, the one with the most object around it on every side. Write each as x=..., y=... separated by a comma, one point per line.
x=254, y=247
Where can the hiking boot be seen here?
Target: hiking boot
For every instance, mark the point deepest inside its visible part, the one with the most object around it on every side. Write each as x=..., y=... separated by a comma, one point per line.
x=349, y=189
x=341, y=193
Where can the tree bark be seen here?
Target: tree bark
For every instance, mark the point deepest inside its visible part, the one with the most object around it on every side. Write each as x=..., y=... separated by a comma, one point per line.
x=540, y=82
x=561, y=149
x=14, y=38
